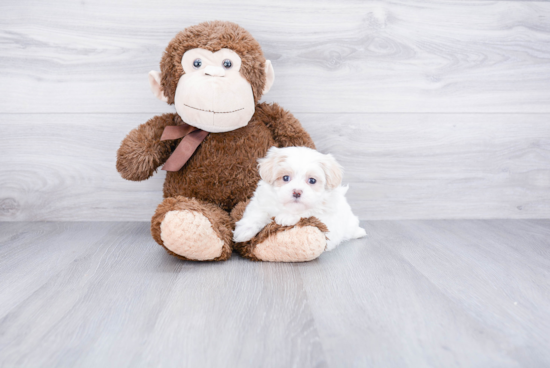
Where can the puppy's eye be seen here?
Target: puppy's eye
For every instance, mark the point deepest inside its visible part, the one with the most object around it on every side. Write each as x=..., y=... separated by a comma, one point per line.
x=312, y=181
x=286, y=178
x=197, y=63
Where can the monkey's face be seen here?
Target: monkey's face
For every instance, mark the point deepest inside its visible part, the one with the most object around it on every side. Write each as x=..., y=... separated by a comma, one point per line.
x=212, y=94
x=214, y=73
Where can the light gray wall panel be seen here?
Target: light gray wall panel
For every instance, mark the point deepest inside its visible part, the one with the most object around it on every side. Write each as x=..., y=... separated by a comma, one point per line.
x=437, y=109
x=62, y=166
x=341, y=56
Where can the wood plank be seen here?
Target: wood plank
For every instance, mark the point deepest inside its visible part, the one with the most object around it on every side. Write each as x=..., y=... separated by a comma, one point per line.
x=346, y=56
x=32, y=255
x=413, y=293
x=435, y=293
x=441, y=165
x=62, y=166
x=126, y=302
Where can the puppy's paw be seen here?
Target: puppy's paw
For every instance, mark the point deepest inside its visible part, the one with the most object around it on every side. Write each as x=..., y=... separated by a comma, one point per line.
x=286, y=219
x=244, y=233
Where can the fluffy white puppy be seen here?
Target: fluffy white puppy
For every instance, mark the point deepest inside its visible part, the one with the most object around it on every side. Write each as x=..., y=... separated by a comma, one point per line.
x=299, y=182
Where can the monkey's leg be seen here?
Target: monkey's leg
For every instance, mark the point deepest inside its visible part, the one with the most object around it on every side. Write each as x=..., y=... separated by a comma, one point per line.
x=193, y=230
x=302, y=242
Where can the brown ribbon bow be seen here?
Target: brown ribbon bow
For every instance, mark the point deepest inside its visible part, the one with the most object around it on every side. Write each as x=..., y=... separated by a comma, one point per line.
x=192, y=138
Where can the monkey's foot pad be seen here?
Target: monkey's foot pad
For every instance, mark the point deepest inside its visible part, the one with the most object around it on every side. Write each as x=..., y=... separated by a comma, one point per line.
x=190, y=234
x=298, y=244
x=302, y=242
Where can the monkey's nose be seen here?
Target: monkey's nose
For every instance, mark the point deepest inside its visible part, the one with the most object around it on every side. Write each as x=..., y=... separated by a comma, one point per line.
x=214, y=71
x=297, y=193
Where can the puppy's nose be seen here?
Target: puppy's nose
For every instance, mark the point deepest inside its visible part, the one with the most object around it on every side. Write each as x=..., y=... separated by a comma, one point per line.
x=297, y=193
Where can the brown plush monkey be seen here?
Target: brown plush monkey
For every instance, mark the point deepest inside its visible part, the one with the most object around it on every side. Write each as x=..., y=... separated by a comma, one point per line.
x=215, y=73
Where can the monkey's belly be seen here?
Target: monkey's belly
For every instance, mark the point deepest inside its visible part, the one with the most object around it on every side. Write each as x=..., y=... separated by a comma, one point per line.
x=224, y=169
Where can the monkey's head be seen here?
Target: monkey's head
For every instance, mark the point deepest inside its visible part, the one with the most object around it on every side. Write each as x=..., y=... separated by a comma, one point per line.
x=214, y=73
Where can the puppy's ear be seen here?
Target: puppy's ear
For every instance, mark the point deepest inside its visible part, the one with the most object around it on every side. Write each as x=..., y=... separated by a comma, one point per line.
x=267, y=165
x=333, y=171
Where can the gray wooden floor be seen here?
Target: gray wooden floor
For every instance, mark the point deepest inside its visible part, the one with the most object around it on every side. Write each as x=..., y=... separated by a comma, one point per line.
x=463, y=293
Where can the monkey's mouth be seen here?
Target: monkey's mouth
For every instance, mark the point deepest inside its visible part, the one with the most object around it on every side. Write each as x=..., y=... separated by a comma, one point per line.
x=214, y=112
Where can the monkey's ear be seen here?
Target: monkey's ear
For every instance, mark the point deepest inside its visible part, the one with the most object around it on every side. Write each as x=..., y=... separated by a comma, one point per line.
x=154, y=81
x=269, y=76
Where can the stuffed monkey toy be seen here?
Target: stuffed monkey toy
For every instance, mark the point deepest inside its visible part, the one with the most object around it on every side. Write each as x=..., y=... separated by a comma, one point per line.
x=214, y=74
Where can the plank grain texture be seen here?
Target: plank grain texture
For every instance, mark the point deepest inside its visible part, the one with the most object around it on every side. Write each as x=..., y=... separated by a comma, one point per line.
x=467, y=293
x=345, y=56
x=436, y=109
x=397, y=166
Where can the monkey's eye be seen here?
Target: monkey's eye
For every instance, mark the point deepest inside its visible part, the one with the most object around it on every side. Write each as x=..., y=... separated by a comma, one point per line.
x=312, y=181
x=197, y=63
x=227, y=64
x=286, y=178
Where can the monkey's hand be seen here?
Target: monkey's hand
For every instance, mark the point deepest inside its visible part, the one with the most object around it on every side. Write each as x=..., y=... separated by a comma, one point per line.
x=142, y=151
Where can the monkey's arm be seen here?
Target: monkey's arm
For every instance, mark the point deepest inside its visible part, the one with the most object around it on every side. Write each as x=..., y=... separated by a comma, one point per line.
x=286, y=129
x=142, y=151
